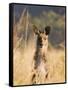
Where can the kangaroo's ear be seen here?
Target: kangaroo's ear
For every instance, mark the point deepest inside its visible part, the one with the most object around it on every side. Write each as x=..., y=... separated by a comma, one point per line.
x=35, y=29
x=47, y=30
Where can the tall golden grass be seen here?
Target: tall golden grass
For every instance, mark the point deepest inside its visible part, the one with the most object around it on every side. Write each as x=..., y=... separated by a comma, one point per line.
x=24, y=63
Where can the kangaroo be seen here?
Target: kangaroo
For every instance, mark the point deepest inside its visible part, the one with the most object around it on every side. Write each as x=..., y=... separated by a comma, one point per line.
x=40, y=55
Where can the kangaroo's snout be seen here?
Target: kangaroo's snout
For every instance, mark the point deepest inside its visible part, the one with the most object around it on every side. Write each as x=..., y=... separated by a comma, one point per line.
x=47, y=30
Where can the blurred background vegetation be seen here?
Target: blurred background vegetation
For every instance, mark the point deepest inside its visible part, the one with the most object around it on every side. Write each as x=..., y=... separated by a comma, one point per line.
x=25, y=16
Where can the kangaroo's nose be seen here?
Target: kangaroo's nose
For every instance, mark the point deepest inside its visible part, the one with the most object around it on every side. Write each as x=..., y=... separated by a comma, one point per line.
x=40, y=42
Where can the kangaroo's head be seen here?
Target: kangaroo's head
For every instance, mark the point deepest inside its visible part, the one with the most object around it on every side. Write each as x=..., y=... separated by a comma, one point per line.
x=38, y=32
x=42, y=35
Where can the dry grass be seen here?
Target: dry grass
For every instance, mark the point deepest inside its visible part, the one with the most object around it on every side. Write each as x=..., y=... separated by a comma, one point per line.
x=56, y=66
x=24, y=63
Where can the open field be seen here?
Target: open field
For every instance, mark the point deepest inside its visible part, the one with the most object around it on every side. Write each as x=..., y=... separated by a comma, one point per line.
x=23, y=65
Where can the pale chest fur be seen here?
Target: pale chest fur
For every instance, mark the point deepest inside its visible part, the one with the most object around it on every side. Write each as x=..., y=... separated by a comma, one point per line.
x=44, y=47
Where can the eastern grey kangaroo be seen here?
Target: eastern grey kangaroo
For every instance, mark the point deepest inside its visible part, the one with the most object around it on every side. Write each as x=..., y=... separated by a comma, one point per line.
x=40, y=55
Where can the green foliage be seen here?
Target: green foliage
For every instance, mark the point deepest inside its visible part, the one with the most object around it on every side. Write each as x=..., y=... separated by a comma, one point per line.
x=51, y=18
x=57, y=23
